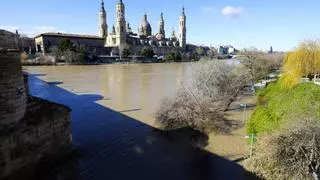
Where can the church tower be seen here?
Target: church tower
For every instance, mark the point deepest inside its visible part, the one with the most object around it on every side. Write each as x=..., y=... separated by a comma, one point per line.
x=161, y=26
x=103, y=27
x=120, y=23
x=182, y=29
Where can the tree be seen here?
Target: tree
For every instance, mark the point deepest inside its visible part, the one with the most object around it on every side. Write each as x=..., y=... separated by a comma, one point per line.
x=147, y=52
x=302, y=62
x=200, y=105
x=212, y=53
x=65, y=45
x=125, y=53
x=169, y=57
x=256, y=64
x=200, y=51
x=173, y=57
x=177, y=56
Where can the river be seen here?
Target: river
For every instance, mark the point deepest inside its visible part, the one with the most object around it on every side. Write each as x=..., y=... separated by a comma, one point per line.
x=113, y=127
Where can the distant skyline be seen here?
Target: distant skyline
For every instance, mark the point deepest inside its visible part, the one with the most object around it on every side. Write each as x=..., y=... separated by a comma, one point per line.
x=241, y=23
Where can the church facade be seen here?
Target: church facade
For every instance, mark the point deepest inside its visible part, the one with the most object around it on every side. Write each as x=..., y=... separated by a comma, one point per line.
x=122, y=36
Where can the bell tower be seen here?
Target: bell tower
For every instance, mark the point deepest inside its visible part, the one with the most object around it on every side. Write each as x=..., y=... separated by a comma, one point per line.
x=161, y=26
x=182, y=29
x=103, y=27
x=120, y=23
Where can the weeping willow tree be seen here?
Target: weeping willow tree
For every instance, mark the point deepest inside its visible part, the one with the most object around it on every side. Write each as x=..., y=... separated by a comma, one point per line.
x=305, y=61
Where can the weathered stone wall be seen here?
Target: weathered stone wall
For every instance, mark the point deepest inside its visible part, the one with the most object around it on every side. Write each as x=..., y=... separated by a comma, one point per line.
x=12, y=89
x=31, y=130
x=8, y=40
x=44, y=131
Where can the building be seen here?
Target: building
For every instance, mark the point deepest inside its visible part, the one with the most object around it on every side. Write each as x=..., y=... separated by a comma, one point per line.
x=121, y=35
x=45, y=42
x=271, y=50
x=224, y=50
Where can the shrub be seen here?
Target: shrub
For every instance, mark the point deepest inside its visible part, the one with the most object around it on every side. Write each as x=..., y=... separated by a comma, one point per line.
x=292, y=153
x=173, y=57
x=183, y=111
x=200, y=105
x=126, y=52
x=147, y=52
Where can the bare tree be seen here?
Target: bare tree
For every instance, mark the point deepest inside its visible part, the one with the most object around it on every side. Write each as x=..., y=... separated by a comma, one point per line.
x=253, y=61
x=259, y=64
x=213, y=87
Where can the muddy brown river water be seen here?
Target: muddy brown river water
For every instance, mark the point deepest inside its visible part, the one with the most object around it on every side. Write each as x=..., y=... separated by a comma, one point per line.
x=113, y=127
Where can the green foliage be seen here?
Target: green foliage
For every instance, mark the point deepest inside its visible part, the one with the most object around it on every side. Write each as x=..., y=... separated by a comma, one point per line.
x=65, y=45
x=200, y=51
x=193, y=57
x=277, y=106
x=147, y=52
x=125, y=53
x=173, y=57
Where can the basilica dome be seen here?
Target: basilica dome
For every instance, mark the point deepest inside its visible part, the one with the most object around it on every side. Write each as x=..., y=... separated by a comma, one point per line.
x=145, y=27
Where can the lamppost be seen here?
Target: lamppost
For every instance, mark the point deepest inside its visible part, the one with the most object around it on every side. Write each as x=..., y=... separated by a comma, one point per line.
x=244, y=106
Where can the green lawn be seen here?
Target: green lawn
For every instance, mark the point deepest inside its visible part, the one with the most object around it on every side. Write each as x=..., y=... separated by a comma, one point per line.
x=277, y=106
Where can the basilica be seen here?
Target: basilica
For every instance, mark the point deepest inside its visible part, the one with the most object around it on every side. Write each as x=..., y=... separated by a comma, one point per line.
x=122, y=36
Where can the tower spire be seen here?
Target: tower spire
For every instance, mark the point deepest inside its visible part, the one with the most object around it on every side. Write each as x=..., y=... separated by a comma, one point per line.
x=183, y=11
x=102, y=5
x=161, y=33
x=182, y=29
x=103, y=26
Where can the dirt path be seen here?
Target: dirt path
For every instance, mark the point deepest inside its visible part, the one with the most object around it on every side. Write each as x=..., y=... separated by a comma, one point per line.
x=233, y=146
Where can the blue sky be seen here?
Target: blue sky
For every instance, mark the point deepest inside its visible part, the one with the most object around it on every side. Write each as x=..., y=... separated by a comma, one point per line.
x=242, y=23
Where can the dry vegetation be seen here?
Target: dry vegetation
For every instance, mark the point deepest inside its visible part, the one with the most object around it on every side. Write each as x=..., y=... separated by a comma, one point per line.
x=291, y=153
x=213, y=87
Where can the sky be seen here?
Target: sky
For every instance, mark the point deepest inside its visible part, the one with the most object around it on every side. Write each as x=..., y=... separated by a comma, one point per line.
x=241, y=23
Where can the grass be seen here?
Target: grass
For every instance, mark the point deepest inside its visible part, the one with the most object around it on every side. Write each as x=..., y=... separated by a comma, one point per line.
x=277, y=106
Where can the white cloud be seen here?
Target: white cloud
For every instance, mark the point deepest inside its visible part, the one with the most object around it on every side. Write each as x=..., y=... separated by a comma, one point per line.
x=208, y=9
x=233, y=12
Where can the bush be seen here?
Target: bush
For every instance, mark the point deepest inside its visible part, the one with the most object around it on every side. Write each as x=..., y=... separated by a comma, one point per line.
x=292, y=153
x=183, y=111
x=147, y=52
x=282, y=103
x=173, y=57
x=126, y=52
x=201, y=104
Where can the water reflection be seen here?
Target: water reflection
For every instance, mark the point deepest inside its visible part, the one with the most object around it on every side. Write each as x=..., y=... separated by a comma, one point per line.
x=114, y=145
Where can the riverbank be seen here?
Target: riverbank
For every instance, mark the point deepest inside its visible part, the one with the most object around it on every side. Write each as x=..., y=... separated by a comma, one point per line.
x=234, y=146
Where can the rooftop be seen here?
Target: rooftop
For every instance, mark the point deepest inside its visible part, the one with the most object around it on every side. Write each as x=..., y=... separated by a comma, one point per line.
x=69, y=35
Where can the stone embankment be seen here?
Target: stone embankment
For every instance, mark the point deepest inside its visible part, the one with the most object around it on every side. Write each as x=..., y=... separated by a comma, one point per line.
x=33, y=131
